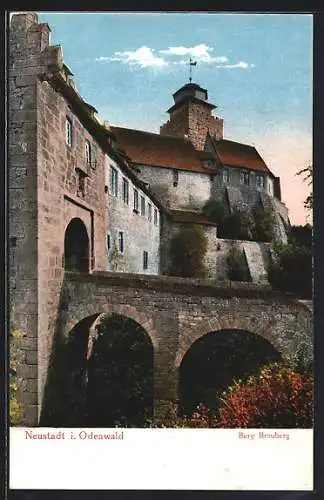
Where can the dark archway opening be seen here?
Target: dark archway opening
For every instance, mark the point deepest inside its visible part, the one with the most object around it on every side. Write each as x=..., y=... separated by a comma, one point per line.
x=76, y=247
x=213, y=363
x=120, y=375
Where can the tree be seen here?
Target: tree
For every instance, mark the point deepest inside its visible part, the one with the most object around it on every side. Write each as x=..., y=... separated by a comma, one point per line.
x=291, y=268
x=280, y=397
x=237, y=268
x=237, y=226
x=307, y=173
x=187, y=252
x=215, y=211
x=263, y=229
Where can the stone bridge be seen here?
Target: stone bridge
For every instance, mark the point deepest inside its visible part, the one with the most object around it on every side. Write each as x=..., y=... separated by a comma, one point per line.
x=176, y=312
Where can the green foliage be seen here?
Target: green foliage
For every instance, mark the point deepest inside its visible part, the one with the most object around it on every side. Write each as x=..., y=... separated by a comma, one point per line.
x=301, y=236
x=15, y=408
x=307, y=173
x=279, y=397
x=291, y=268
x=187, y=252
x=120, y=374
x=263, y=228
x=237, y=268
x=215, y=211
x=237, y=226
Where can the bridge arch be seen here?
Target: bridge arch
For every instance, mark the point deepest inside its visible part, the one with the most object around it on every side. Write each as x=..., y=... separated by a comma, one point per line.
x=269, y=330
x=93, y=311
x=76, y=246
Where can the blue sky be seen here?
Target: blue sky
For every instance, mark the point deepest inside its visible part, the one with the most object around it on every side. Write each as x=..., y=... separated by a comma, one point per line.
x=257, y=69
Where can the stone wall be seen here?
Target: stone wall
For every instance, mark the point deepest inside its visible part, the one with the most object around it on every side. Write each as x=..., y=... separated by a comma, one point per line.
x=139, y=232
x=194, y=120
x=44, y=197
x=176, y=312
x=191, y=192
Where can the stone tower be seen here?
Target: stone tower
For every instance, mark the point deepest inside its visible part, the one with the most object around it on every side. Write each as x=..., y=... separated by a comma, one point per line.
x=191, y=116
x=50, y=216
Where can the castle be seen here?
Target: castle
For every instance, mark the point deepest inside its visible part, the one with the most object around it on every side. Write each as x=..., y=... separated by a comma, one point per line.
x=87, y=196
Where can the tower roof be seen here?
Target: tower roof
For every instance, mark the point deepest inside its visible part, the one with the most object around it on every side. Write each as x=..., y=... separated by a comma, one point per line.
x=190, y=92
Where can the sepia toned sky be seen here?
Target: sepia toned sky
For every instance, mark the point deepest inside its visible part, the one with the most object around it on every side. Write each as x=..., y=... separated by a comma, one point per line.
x=257, y=69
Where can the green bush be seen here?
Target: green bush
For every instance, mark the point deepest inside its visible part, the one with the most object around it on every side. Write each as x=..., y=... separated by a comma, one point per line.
x=291, y=269
x=263, y=228
x=215, y=211
x=15, y=408
x=237, y=226
x=187, y=252
x=237, y=268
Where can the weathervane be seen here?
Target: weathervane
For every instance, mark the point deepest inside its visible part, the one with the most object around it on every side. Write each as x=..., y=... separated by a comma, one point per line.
x=191, y=64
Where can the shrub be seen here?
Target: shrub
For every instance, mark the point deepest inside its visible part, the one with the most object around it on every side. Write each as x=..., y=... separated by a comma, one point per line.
x=237, y=226
x=215, y=211
x=263, y=228
x=237, y=268
x=278, y=398
x=291, y=269
x=15, y=408
x=187, y=252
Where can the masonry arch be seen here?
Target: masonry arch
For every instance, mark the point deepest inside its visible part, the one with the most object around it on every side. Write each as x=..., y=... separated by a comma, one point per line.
x=215, y=360
x=76, y=247
x=95, y=374
x=258, y=326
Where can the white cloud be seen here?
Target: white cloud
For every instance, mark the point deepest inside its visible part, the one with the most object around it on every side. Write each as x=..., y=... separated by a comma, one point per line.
x=143, y=57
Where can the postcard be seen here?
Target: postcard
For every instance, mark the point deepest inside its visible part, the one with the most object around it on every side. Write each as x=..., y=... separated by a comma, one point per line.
x=160, y=250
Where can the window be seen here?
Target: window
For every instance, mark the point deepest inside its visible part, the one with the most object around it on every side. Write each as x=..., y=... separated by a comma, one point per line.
x=93, y=156
x=108, y=242
x=149, y=211
x=225, y=176
x=88, y=151
x=113, y=181
x=175, y=177
x=125, y=191
x=121, y=241
x=259, y=180
x=245, y=178
x=136, y=201
x=68, y=132
x=81, y=176
x=155, y=216
x=142, y=205
x=145, y=260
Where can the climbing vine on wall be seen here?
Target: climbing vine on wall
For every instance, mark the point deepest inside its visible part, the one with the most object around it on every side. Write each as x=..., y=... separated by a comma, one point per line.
x=15, y=408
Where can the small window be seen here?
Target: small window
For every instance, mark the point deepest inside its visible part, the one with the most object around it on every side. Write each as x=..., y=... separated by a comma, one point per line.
x=175, y=177
x=136, y=201
x=245, y=178
x=121, y=241
x=259, y=180
x=93, y=156
x=125, y=191
x=113, y=181
x=149, y=211
x=108, y=242
x=145, y=260
x=81, y=177
x=155, y=216
x=225, y=176
x=68, y=132
x=142, y=205
x=88, y=152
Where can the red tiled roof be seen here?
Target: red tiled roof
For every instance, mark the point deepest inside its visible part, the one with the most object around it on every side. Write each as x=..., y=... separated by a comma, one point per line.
x=192, y=217
x=157, y=150
x=235, y=154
